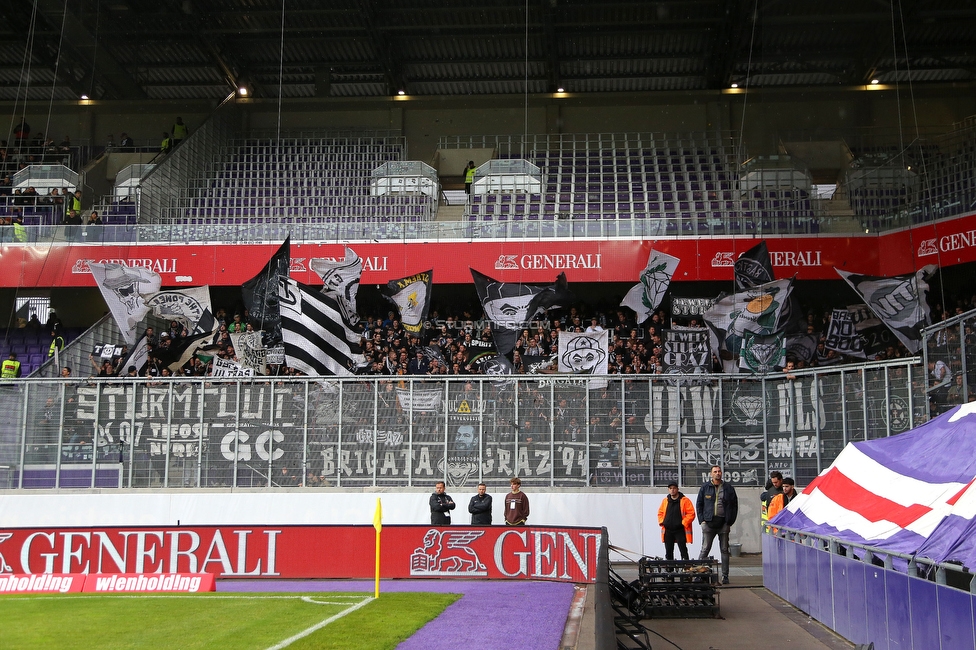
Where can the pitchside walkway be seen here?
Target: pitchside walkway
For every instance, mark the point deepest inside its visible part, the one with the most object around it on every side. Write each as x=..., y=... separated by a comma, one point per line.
x=752, y=617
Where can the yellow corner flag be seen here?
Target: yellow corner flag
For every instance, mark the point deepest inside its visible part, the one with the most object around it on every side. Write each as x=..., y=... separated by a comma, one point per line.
x=378, y=525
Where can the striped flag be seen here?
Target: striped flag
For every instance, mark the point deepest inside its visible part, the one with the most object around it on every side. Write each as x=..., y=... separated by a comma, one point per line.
x=260, y=293
x=317, y=341
x=909, y=493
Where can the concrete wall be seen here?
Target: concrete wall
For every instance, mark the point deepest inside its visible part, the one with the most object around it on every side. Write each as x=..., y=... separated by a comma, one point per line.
x=630, y=517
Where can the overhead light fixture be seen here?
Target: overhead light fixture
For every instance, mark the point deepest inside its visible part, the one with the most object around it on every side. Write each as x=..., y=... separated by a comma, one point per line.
x=242, y=91
x=560, y=90
x=84, y=96
x=735, y=85
x=875, y=82
x=401, y=92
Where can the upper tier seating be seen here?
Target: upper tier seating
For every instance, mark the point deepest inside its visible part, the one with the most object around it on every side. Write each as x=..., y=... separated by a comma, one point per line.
x=315, y=179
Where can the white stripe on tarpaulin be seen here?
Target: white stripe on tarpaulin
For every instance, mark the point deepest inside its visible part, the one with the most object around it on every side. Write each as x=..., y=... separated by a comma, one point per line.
x=886, y=482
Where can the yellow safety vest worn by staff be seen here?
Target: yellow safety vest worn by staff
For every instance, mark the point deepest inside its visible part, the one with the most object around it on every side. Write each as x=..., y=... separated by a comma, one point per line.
x=9, y=369
x=469, y=175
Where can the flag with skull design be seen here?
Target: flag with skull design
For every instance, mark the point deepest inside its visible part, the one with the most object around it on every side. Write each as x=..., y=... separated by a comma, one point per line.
x=124, y=289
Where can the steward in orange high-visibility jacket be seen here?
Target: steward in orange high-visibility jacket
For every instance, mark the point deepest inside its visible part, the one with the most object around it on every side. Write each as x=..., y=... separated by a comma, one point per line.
x=676, y=513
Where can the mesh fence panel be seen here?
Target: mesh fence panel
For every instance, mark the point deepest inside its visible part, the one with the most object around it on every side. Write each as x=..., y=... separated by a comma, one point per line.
x=554, y=430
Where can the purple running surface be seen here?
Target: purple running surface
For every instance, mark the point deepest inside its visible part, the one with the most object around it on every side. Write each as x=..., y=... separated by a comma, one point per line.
x=490, y=615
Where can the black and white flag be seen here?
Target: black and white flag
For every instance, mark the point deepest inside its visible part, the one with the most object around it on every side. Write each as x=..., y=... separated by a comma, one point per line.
x=645, y=297
x=317, y=341
x=190, y=307
x=842, y=335
x=260, y=293
x=758, y=310
x=899, y=301
x=124, y=289
x=585, y=353
x=340, y=279
x=762, y=354
x=411, y=295
x=510, y=306
x=754, y=267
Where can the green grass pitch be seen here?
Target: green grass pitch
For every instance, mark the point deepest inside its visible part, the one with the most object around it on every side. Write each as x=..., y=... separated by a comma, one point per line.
x=299, y=621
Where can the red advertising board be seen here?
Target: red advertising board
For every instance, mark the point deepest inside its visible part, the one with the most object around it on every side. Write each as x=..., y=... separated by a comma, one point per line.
x=811, y=257
x=525, y=553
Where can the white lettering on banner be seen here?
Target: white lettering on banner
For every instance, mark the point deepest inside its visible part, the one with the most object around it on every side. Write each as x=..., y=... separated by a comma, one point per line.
x=550, y=553
x=150, y=551
x=958, y=241
x=158, y=265
x=171, y=582
x=562, y=261
x=799, y=258
x=40, y=582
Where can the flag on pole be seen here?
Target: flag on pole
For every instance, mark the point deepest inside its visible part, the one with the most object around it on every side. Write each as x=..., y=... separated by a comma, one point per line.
x=317, y=341
x=190, y=307
x=899, y=301
x=645, y=297
x=758, y=310
x=411, y=295
x=510, y=306
x=260, y=293
x=754, y=267
x=378, y=525
x=123, y=289
x=340, y=279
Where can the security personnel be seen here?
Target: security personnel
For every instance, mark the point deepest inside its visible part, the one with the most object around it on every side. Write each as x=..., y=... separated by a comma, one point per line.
x=10, y=368
x=57, y=343
x=20, y=232
x=179, y=131
x=774, y=486
x=166, y=144
x=469, y=176
x=780, y=501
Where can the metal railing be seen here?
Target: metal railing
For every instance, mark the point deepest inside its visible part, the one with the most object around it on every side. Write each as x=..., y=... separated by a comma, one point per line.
x=551, y=430
x=949, y=352
x=912, y=565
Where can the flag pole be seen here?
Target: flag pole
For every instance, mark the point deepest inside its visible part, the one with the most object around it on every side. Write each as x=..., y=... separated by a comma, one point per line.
x=378, y=525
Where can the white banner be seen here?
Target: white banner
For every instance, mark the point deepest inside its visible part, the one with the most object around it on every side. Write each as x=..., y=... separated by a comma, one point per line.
x=227, y=368
x=422, y=399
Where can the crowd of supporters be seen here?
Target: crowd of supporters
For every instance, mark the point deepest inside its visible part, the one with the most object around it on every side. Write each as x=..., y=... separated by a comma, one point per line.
x=447, y=344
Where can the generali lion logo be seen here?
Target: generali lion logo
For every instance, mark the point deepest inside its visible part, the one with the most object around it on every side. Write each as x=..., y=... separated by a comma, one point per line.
x=928, y=247
x=4, y=567
x=447, y=553
x=297, y=265
x=506, y=262
x=723, y=258
x=81, y=266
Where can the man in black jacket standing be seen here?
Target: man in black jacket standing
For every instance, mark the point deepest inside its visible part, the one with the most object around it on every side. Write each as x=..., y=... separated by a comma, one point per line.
x=480, y=507
x=717, y=508
x=440, y=506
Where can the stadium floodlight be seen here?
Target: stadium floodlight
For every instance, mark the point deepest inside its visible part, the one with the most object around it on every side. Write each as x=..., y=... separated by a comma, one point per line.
x=242, y=91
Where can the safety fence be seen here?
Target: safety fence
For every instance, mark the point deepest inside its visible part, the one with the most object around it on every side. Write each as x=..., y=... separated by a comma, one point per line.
x=950, y=359
x=377, y=431
x=871, y=595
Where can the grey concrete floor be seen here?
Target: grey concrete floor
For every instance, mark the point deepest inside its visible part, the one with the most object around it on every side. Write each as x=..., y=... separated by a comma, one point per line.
x=751, y=617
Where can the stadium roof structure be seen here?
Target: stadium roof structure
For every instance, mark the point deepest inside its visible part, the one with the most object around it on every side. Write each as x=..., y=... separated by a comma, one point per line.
x=205, y=49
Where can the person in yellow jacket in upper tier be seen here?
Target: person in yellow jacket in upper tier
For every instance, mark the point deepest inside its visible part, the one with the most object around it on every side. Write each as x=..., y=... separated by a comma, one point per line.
x=676, y=516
